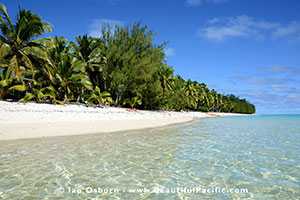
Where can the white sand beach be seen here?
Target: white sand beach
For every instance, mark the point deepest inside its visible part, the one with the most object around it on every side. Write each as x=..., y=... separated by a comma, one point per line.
x=32, y=120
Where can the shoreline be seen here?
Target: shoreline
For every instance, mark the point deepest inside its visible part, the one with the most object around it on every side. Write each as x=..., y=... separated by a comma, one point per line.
x=33, y=120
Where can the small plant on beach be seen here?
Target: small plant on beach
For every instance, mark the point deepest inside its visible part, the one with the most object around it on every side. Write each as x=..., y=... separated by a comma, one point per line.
x=133, y=102
x=99, y=98
x=44, y=95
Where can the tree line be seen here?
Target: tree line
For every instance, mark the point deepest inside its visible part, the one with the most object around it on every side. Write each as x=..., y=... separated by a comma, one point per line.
x=121, y=67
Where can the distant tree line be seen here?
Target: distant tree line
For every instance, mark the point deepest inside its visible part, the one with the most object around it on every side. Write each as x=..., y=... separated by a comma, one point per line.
x=121, y=67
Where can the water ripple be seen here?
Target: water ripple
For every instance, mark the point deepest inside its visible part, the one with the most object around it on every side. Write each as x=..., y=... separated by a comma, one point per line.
x=260, y=154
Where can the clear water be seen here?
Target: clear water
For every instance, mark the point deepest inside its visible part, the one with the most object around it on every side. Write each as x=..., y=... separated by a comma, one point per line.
x=259, y=153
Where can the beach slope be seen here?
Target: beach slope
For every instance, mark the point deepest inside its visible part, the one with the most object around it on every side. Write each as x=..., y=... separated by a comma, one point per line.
x=32, y=120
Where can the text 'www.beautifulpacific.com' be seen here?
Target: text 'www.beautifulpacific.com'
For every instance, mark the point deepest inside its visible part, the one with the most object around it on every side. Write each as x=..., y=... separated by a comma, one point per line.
x=156, y=190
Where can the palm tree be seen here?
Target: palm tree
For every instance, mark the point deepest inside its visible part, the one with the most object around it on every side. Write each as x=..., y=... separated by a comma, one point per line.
x=191, y=92
x=178, y=100
x=89, y=51
x=166, y=78
x=69, y=74
x=19, y=49
x=203, y=92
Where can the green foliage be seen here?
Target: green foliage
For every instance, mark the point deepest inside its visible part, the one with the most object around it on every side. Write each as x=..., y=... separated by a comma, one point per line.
x=133, y=102
x=99, y=98
x=17, y=41
x=123, y=67
x=68, y=73
x=20, y=88
x=132, y=64
x=44, y=95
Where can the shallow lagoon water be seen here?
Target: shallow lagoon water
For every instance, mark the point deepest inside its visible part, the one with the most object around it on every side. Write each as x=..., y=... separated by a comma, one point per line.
x=259, y=154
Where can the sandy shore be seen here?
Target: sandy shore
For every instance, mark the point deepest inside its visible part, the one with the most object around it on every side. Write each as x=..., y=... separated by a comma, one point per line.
x=31, y=120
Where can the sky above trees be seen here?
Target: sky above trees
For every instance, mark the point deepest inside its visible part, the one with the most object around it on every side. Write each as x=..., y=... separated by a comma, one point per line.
x=249, y=48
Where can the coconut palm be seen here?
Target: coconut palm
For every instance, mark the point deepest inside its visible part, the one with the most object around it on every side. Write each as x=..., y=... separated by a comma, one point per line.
x=89, y=51
x=19, y=49
x=192, y=93
x=69, y=75
x=166, y=78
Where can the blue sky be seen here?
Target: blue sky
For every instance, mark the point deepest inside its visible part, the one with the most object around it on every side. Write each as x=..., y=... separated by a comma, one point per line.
x=246, y=47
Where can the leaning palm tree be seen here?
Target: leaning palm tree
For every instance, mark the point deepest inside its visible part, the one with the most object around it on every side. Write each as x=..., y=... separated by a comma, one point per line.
x=19, y=47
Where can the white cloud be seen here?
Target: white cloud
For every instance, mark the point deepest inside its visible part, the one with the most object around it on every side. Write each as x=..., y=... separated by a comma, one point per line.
x=194, y=3
x=240, y=26
x=291, y=30
x=169, y=52
x=270, y=86
x=243, y=26
x=97, y=24
x=294, y=71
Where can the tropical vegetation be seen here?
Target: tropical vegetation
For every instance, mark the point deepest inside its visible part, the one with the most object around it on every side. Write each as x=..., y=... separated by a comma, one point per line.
x=121, y=67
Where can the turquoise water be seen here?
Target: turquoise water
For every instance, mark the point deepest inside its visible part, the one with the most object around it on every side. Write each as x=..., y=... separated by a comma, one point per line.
x=256, y=157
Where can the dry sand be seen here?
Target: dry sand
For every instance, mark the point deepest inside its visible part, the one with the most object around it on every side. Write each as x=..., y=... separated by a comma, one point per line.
x=32, y=120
